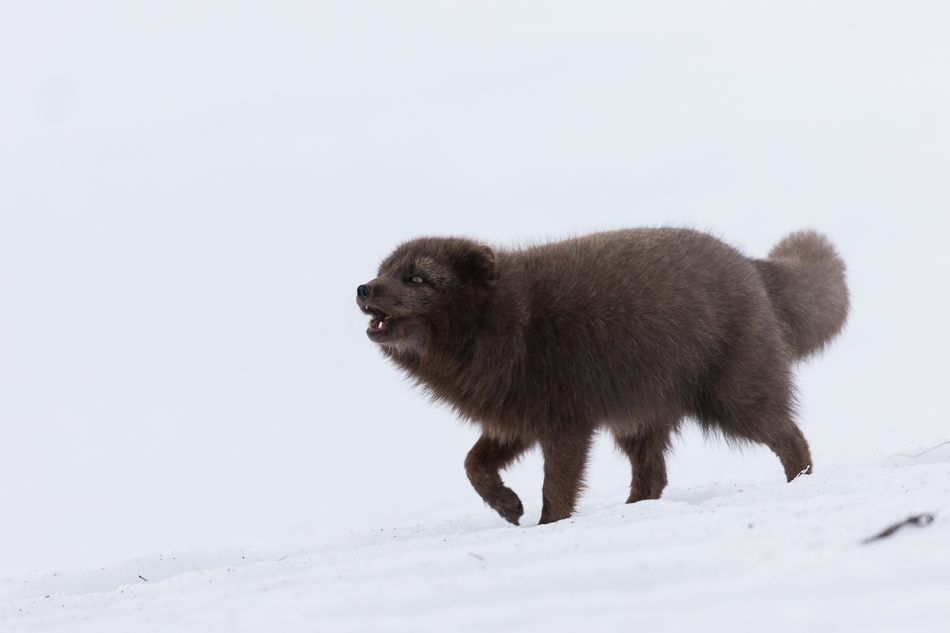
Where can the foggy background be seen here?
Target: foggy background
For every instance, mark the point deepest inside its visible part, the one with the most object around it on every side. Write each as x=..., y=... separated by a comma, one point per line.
x=189, y=196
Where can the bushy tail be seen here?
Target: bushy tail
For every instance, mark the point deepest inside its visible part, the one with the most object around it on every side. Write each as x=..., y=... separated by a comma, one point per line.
x=804, y=277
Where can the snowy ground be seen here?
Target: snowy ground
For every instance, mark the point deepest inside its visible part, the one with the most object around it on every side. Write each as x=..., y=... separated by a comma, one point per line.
x=776, y=557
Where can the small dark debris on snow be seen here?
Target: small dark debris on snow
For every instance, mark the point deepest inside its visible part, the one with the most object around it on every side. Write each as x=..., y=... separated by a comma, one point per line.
x=476, y=556
x=926, y=451
x=919, y=520
x=145, y=579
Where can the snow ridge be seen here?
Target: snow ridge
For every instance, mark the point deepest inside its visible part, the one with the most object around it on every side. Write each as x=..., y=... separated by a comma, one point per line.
x=777, y=557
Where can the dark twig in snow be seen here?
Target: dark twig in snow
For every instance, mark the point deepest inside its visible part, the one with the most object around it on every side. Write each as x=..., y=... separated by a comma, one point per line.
x=919, y=520
x=926, y=451
x=145, y=579
x=476, y=556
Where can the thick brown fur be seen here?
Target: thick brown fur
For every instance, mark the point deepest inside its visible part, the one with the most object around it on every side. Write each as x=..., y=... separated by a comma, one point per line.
x=631, y=331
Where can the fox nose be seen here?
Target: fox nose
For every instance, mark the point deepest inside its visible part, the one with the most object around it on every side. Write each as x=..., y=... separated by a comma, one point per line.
x=363, y=291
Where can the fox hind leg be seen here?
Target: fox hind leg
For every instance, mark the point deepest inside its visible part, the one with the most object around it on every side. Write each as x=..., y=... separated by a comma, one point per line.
x=647, y=453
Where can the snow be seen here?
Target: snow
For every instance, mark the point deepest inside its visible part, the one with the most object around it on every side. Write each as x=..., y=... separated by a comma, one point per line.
x=736, y=557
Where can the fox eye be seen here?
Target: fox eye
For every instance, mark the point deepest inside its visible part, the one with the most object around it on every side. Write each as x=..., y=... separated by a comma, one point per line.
x=417, y=279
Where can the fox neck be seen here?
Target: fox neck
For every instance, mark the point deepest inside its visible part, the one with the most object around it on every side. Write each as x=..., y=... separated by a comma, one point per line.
x=474, y=365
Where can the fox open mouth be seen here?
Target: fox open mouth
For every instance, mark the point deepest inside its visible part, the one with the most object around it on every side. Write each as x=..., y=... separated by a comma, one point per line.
x=379, y=321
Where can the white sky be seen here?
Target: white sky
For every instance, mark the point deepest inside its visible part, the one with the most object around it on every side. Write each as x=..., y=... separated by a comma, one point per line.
x=189, y=197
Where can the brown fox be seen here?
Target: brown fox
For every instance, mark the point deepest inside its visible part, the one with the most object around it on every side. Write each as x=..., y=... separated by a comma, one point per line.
x=632, y=331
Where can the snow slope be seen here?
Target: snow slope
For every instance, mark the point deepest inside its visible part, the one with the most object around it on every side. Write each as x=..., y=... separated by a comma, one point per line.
x=776, y=557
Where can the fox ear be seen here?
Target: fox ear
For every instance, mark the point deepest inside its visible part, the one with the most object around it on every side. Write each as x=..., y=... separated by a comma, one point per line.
x=480, y=264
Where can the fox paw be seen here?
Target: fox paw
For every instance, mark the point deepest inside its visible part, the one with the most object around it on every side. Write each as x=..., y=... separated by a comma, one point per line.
x=508, y=505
